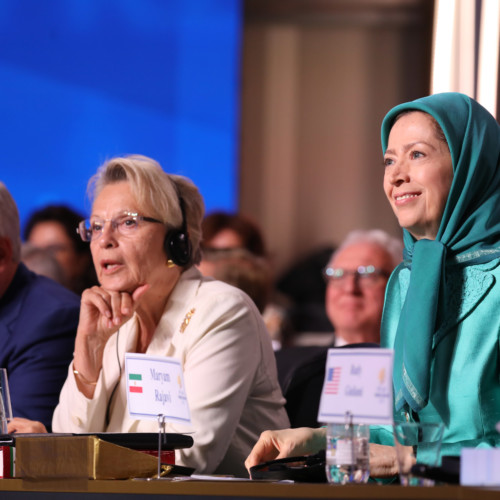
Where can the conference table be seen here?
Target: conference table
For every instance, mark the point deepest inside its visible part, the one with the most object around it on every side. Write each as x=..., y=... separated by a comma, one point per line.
x=17, y=489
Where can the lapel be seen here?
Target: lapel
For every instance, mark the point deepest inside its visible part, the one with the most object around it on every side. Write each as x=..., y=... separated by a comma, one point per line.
x=170, y=338
x=172, y=332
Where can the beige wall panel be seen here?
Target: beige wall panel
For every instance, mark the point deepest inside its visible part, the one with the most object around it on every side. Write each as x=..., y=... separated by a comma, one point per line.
x=269, y=147
x=314, y=95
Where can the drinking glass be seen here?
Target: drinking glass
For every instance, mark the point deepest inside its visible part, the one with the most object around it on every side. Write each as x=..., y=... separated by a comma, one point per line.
x=417, y=443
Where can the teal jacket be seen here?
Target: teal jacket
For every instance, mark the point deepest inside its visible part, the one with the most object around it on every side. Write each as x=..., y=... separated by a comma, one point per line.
x=465, y=369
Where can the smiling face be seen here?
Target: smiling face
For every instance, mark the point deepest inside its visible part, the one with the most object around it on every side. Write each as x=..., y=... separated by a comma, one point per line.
x=354, y=306
x=124, y=262
x=418, y=174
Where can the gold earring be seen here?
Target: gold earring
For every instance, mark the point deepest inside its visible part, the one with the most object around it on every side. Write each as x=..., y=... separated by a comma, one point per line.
x=170, y=263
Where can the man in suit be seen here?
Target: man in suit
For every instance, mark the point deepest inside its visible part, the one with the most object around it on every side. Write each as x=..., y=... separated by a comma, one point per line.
x=38, y=321
x=356, y=277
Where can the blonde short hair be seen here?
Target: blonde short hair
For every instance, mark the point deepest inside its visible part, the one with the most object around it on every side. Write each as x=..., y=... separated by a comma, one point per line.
x=159, y=194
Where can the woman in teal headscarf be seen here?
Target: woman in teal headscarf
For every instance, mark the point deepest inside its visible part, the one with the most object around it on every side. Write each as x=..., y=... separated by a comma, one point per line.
x=442, y=309
x=442, y=304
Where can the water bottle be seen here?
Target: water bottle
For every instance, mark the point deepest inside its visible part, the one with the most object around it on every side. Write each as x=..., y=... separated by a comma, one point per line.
x=347, y=453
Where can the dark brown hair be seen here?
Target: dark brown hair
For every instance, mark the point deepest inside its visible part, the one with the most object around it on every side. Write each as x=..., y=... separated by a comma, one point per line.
x=250, y=234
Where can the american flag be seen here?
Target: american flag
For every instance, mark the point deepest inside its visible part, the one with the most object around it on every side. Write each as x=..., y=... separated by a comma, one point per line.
x=333, y=380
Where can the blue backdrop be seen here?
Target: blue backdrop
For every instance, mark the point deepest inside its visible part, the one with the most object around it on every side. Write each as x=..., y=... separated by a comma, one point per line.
x=84, y=80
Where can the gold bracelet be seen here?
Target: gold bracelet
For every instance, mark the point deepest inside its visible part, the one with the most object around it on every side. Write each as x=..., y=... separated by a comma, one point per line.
x=83, y=379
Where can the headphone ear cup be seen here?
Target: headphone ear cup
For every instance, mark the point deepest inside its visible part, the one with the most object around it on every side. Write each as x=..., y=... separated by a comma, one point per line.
x=178, y=247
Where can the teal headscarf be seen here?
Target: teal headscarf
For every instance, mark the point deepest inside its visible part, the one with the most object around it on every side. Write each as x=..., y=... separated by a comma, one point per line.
x=469, y=233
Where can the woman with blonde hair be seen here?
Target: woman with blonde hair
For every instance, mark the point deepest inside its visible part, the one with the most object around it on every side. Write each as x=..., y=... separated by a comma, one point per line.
x=144, y=234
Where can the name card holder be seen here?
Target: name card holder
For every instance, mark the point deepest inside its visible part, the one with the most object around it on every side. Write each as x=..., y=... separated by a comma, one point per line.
x=156, y=390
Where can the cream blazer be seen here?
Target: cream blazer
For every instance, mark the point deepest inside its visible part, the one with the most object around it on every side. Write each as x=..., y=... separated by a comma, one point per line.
x=229, y=369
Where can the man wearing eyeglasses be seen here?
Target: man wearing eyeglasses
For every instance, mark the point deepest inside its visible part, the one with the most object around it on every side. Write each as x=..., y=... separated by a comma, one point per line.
x=356, y=278
x=38, y=321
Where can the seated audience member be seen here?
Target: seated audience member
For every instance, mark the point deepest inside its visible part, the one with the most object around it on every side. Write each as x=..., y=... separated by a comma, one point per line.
x=223, y=231
x=53, y=228
x=42, y=261
x=244, y=270
x=38, y=320
x=144, y=234
x=234, y=251
x=356, y=277
x=354, y=295
x=441, y=177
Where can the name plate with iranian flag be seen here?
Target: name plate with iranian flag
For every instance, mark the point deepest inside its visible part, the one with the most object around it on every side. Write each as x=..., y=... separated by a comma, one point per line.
x=155, y=386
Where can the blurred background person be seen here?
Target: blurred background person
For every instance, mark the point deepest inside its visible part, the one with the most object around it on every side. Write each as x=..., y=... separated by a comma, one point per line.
x=244, y=270
x=42, y=261
x=250, y=273
x=356, y=278
x=53, y=228
x=224, y=230
x=38, y=319
x=234, y=251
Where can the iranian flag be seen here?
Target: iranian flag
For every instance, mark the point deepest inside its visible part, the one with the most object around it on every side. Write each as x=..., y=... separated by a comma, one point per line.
x=135, y=382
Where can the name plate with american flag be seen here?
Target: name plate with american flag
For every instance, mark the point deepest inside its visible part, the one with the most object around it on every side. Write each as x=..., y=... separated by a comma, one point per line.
x=358, y=382
x=155, y=386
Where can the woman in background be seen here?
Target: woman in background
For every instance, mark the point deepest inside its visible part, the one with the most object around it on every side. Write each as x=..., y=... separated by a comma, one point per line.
x=52, y=229
x=234, y=251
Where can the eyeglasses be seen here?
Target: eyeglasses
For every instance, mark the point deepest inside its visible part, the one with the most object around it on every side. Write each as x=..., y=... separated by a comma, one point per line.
x=365, y=276
x=126, y=223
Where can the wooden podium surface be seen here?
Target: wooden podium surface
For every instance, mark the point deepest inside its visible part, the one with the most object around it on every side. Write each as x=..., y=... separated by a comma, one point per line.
x=17, y=489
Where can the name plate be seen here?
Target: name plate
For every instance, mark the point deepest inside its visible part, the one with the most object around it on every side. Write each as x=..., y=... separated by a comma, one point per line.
x=480, y=467
x=358, y=382
x=155, y=386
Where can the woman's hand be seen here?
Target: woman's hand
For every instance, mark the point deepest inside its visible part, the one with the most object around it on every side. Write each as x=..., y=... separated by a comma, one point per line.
x=102, y=312
x=286, y=443
x=25, y=426
x=383, y=461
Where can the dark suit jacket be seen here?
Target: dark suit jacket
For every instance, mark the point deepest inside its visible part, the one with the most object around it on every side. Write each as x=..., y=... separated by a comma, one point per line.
x=38, y=321
x=301, y=373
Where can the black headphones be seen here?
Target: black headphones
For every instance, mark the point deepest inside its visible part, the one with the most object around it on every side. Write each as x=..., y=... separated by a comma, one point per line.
x=177, y=244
